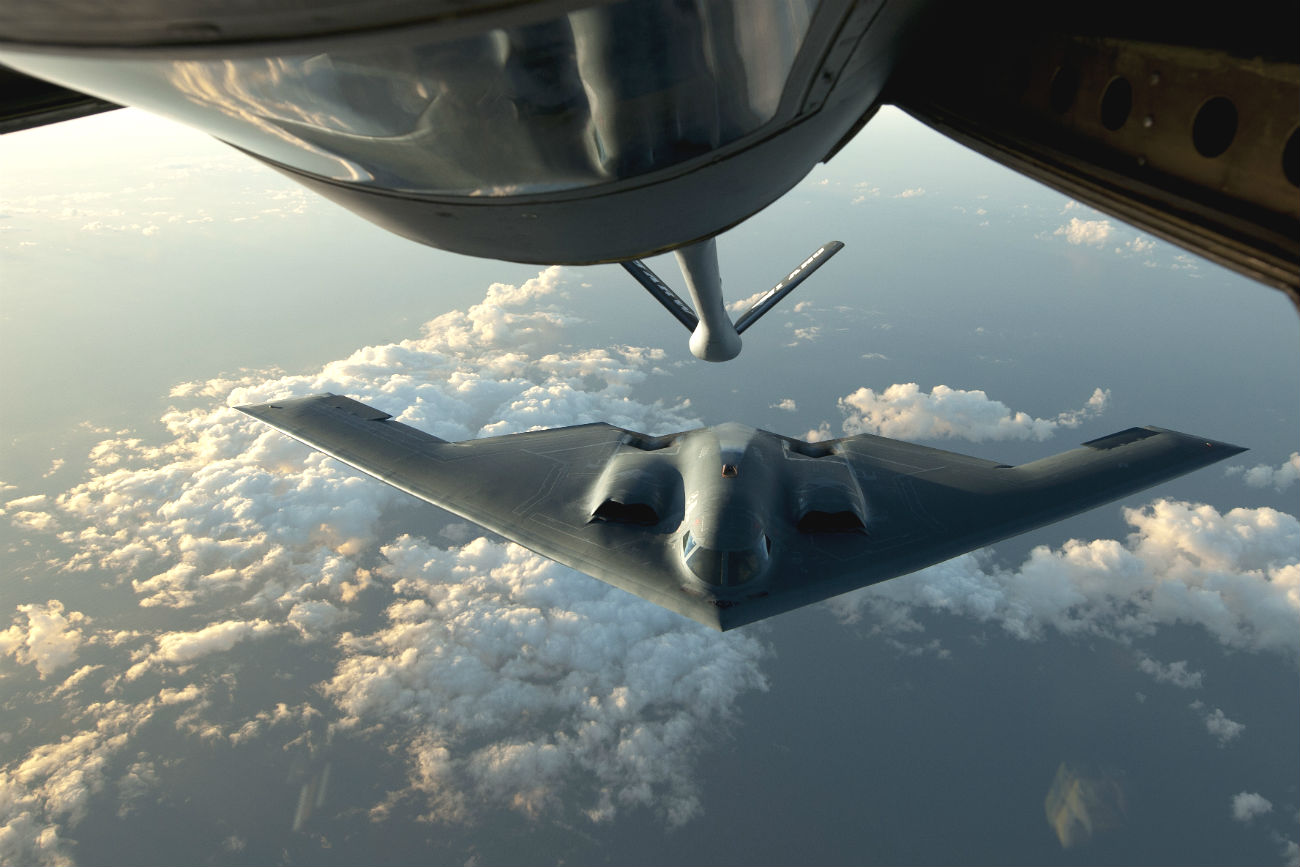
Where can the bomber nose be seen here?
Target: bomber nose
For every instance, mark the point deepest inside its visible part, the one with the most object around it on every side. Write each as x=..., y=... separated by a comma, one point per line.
x=726, y=568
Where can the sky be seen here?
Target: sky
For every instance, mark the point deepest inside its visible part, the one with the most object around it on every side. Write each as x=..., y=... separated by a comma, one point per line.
x=219, y=647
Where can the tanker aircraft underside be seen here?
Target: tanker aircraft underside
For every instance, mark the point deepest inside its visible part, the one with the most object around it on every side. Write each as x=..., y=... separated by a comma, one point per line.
x=578, y=132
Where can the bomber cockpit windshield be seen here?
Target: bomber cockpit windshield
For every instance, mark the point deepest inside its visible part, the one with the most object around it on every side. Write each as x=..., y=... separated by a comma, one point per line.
x=725, y=568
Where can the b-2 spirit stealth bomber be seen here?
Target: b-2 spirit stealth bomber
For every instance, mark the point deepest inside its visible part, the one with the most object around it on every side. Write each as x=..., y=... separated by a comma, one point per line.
x=727, y=524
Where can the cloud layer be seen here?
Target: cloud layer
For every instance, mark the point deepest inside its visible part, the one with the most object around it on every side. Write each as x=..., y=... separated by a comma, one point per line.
x=507, y=675
x=528, y=677
x=500, y=678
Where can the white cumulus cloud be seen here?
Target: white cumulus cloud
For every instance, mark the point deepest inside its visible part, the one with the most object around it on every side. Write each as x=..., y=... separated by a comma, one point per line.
x=1091, y=232
x=864, y=190
x=314, y=617
x=1175, y=673
x=48, y=640
x=1140, y=246
x=804, y=334
x=904, y=411
x=739, y=306
x=1264, y=476
x=182, y=647
x=1218, y=724
x=1248, y=805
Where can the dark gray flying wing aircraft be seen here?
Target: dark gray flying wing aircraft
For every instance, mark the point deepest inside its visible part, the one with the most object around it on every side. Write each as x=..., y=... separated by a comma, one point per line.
x=728, y=524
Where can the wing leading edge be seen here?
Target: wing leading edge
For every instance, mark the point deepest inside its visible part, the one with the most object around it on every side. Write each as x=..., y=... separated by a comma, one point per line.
x=918, y=505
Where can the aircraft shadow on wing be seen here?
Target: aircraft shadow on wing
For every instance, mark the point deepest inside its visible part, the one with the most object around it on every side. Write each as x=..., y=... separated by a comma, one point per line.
x=727, y=524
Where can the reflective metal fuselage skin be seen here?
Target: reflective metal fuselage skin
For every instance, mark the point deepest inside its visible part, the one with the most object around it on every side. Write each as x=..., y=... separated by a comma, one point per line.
x=587, y=133
x=573, y=131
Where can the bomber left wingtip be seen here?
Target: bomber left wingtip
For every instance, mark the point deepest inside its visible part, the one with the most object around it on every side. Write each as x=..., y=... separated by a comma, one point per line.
x=1228, y=449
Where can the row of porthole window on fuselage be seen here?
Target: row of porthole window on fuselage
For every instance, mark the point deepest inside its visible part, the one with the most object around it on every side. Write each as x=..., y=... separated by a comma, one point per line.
x=1213, y=129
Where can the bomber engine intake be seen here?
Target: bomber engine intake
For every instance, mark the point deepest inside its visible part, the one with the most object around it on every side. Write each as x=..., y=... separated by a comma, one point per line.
x=636, y=490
